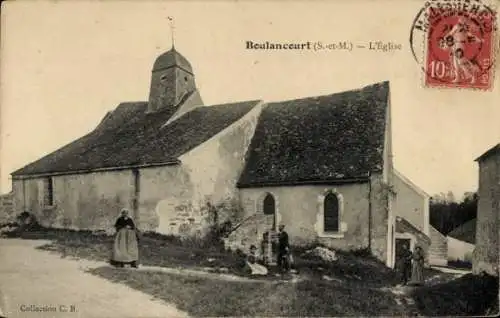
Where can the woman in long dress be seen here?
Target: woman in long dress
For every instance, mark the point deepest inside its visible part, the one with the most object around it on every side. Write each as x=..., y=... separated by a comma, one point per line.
x=417, y=269
x=125, y=247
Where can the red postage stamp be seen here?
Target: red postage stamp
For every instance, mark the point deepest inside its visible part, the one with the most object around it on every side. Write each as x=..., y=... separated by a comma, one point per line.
x=459, y=48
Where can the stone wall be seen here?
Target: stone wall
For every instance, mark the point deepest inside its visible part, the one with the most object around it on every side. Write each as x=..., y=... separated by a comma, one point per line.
x=485, y=255
x=381, y=219
x=7, y=214
x=82, y=201
x=215, y=166
x=410, y=204
x=165, y=200
x=298, y=208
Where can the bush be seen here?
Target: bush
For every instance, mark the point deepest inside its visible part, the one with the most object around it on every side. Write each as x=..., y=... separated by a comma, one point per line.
x=27, y=221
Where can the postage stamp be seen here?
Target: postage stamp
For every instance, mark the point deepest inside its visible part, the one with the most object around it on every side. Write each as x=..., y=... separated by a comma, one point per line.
x=458, y=44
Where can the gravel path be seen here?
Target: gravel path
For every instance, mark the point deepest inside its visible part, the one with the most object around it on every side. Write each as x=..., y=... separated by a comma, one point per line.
x=34, y=283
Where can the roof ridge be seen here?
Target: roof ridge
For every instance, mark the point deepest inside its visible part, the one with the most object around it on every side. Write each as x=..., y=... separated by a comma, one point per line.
x=488, y=152
x=407, y=180
x=366, y=87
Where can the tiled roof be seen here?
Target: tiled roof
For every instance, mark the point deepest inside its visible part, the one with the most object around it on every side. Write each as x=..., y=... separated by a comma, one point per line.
x=319, y=139
x=129, y=136
x=172, y=58
x=493, y=150
x=404, y=226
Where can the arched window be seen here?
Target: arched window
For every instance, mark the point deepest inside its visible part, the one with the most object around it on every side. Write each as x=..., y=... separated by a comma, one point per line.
x=331, y=213
x=269, y=205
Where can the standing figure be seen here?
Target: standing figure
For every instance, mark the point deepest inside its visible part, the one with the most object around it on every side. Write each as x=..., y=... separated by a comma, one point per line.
x=417, y=270
x=283, y=249
x=125, y=248
x=404, y=264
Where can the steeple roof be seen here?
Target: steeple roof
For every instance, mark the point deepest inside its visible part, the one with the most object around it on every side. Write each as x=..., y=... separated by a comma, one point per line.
x=172, y=58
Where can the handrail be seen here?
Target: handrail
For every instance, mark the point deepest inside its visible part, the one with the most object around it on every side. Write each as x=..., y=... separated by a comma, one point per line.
x=241, y=223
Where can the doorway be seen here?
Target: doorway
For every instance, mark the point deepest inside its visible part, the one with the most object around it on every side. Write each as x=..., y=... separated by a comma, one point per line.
x=400, y=244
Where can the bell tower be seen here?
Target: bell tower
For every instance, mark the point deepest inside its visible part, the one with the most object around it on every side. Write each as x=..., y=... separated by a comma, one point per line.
x=172, y=81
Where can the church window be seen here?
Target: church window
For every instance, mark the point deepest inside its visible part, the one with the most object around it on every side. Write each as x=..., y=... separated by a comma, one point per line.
x=269, y=204
x=48, y=193
x=329, y=220
x=331, y=215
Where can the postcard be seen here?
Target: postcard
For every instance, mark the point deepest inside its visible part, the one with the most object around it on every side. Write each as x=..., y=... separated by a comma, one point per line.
x=249, y=159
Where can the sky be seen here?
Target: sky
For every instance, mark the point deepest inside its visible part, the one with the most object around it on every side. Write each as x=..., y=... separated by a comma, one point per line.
x=64, y=65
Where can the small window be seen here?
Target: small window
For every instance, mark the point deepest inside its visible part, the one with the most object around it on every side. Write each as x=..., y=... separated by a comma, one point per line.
x=269, y=205
x=48, y=192
x=163, y=77
x=331, y=213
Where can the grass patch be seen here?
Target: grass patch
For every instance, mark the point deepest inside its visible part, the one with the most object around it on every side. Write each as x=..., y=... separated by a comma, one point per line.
x=212, y=297
x=465, y=296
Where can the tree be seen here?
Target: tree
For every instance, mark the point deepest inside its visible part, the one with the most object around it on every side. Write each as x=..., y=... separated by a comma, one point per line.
x=446, y=215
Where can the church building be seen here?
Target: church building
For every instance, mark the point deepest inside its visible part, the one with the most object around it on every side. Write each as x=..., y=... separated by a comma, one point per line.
x=485, y=257
x=322, y=166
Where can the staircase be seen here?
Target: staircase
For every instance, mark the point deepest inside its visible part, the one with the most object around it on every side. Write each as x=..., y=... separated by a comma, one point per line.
x=249, y=232
x=438, y=251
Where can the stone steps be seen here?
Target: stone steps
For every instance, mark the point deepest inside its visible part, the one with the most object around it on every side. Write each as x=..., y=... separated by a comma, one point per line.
x=250, y=232
x=438, y=251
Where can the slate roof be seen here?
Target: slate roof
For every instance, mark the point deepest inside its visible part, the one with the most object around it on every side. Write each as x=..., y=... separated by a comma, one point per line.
x=319, y=139
x=404, y=226
x=129, y=136
x=465, y=232
x=172, y=58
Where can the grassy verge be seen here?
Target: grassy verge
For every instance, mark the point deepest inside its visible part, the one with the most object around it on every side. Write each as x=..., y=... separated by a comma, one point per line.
x=211, y=297
x=154, y=249
x=168, y=251
x=465, y=296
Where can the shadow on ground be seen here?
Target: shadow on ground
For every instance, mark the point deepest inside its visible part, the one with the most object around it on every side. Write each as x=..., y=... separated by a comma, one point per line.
x=469, y=295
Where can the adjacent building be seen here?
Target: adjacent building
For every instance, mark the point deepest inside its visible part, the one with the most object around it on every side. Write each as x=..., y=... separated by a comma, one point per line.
x=485, y=255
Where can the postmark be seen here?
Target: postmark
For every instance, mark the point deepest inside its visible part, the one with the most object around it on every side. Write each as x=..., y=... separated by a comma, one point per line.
x=454, y=42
